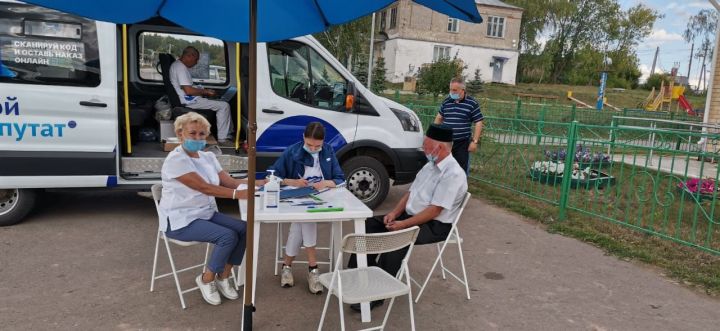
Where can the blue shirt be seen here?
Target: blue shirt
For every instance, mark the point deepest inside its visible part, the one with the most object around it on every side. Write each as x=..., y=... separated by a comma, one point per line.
x=460, y=115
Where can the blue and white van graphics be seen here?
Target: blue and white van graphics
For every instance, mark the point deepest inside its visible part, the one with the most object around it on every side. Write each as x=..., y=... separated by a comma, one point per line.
x=63, y=123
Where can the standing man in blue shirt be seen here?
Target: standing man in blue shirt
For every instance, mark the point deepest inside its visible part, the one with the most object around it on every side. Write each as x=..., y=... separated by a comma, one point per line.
x=460, y=111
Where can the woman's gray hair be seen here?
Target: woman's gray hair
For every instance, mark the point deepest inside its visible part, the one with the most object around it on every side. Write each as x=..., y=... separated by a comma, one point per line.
x=191, y=117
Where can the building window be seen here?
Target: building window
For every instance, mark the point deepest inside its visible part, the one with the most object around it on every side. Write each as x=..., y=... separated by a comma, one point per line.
x=453, y=25
x=383, y=20
x=441, y=52
x=393, y=18
x=496, y=26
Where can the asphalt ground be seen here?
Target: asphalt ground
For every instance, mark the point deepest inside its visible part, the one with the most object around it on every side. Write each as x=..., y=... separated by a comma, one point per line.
x=82, y=260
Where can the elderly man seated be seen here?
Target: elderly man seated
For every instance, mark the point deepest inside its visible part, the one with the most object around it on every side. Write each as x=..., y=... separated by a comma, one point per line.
x=432, y=203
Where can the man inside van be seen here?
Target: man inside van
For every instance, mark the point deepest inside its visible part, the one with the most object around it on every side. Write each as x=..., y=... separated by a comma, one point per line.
x=193, y=97
x=460, y=111
x=432, y=203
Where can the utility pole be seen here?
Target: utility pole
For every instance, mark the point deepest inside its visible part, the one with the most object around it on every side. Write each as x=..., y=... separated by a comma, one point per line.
x=692, y=48
x=372, y=44
x=657, y=50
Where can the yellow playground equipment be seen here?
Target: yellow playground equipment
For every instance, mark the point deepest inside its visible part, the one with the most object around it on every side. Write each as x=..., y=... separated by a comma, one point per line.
x=662, y=100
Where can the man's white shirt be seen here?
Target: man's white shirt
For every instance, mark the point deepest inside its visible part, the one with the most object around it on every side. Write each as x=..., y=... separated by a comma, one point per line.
x=179, y=77
x=443, y=185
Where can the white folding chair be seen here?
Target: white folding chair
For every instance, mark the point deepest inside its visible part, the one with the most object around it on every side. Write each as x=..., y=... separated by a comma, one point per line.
x=280, y=248
x=452, y=238
x=162, y=225
x=370, y=283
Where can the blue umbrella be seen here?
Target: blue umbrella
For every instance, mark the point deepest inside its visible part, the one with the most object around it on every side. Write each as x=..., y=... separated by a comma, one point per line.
x=237, y=21
x=229, y=20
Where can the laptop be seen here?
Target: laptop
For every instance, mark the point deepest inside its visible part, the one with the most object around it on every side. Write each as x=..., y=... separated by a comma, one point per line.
x=229, y=94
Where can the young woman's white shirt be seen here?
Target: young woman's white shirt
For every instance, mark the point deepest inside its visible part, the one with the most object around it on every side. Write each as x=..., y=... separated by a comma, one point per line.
x=181, y=204
x=314, y=174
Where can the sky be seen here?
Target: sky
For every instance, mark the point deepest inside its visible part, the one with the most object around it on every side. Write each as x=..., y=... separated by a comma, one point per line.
x=667, y=34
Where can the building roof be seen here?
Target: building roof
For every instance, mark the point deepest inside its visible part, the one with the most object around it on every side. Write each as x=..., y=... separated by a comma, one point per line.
x=496, y=3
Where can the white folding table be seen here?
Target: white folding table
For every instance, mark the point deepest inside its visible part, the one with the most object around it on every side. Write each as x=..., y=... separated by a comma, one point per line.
x=353, y=210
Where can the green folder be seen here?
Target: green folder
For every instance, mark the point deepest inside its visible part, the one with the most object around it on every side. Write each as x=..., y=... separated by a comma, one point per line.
x=320, y=210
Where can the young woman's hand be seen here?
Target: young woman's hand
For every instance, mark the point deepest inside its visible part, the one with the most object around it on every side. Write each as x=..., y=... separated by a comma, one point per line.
x=323, y=184
x=296, y=182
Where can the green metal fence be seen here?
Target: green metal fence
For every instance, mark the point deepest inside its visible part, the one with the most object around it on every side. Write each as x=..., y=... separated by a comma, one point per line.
x=638, y=172
x=646, y=187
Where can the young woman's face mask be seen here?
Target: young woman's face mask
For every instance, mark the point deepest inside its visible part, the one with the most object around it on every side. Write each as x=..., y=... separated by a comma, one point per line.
x=313, y=146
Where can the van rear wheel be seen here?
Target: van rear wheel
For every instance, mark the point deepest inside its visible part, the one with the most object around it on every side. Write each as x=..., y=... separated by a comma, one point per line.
x=15, y=204
x=367, y=179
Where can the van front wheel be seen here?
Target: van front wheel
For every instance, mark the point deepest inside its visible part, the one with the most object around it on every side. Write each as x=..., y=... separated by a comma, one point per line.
x=368, y=179
x=15, y=204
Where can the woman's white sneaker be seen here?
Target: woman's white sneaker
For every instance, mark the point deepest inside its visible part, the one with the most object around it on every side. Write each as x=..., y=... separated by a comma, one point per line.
x=286, y=277
x=209, y=291
x=226, y=289
x=314, y=284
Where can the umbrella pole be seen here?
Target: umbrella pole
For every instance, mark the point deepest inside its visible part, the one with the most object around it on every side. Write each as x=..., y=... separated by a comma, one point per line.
x=252, y=129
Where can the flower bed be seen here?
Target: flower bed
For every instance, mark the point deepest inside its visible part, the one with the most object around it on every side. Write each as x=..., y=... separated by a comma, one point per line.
x=700, y=189
x=550, y=172
x=584, y=157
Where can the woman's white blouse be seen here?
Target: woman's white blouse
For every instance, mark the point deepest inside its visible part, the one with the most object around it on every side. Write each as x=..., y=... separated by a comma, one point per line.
x=180, y=204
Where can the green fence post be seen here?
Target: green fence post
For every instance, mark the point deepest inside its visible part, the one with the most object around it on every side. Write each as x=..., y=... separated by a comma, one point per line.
x=567, y=173
x=573, y=111
x=540, y=125
x=516, y=123
x=624, y=111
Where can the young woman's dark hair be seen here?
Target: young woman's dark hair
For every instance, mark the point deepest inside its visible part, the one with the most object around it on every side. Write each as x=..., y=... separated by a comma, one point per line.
x=315, y=130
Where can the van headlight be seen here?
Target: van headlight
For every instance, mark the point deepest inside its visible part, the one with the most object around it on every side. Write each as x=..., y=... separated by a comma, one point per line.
x=408, y=121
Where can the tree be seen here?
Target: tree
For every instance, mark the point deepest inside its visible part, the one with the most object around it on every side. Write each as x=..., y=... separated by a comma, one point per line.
x=347, y=41
x=655, y=81
x=475, y=86
x=378, y=75
x=360, y=68
x=702, y=26
x=434, y=78
x=578, y=35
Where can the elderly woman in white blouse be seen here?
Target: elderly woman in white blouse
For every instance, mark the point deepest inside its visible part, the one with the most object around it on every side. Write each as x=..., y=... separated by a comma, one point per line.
x=192, y=179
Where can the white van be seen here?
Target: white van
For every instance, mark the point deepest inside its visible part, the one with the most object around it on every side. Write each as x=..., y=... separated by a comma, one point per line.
x=62, y=119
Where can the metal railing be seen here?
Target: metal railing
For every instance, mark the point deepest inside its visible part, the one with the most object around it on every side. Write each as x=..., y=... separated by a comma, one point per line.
x=643, y=186
x=646, y=174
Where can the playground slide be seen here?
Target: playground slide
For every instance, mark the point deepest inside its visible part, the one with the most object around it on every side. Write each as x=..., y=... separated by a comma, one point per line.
x=685, y=105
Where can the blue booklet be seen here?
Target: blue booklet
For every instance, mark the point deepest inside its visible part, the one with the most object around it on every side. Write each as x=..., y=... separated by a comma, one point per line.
x=297, y=192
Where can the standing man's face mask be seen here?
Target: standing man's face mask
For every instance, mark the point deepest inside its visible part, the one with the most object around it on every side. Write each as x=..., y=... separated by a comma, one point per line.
x=457, y=91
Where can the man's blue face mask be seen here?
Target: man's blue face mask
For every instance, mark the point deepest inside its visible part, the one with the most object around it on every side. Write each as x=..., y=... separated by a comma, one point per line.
x=192, y=145
x=430, y=157
x=455, y=96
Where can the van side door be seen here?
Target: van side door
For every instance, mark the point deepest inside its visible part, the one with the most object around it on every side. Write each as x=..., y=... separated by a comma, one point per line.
x=58, y=93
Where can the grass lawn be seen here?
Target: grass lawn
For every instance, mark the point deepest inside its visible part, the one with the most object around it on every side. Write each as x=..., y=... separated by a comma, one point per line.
x=587, y=94
x=620, y=219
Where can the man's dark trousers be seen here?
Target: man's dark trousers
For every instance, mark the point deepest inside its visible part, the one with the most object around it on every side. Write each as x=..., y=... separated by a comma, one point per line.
x=460, y=152
x=430, y=232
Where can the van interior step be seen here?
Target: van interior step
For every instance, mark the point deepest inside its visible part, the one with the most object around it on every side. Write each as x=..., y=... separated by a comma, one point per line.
x=153, y=165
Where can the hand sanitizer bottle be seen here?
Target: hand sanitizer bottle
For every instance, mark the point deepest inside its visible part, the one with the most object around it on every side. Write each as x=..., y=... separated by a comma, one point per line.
x=272, y=192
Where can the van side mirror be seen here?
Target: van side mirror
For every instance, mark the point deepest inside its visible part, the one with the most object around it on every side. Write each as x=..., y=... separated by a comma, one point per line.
x=350, y=97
